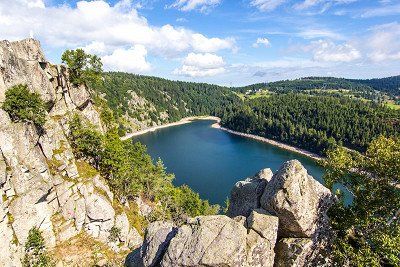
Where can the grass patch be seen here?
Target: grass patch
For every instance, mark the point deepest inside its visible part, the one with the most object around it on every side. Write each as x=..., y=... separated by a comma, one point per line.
x=392, y=105
x=85, y=169
x=84, y=250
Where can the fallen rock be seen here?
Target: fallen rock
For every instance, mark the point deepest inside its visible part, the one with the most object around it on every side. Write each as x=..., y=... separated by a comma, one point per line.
x=245, y=195
x=298, y=200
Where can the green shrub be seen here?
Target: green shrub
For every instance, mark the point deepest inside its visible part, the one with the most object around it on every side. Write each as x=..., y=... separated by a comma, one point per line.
x=83, y=68
x=23, y=105
x=115, y=232
x=35, y=250
x=368, y=230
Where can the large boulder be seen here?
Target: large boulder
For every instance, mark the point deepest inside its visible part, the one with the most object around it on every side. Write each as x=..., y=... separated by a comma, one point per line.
x=298, y=200
x=99, y=216
x=208, y=241
x=155, y=244
x=245, y=195
x=264, y=224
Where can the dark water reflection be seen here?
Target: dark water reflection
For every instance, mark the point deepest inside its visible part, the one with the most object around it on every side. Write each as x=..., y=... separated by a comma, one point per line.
x=211, y=161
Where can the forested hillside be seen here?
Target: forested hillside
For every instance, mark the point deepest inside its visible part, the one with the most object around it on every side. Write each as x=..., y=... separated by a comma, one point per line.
x=146, y=101
x=372, y=89
x=390, y=85
x=315, y=123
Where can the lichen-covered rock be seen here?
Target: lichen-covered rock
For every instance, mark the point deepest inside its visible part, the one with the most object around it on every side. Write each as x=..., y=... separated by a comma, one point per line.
x=260, y=251
x=3, y=170
x=20, y=64
x=156, y=241
x=99, y=217
x=264, y=224
x=144, y=209
x=245, y=195
x=208, y=241
x=298, y=200
x=293, y=252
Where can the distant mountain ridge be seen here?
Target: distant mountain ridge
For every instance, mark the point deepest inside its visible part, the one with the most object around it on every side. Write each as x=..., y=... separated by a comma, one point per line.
x=389, y=85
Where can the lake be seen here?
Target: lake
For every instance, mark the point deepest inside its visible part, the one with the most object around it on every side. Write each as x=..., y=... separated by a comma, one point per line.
x=211, y=161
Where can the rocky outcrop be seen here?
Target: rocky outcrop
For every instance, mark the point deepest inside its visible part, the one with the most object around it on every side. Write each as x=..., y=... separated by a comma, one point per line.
x=281, y=221
x=245, y=195
x=40, y=182
x=297, y=199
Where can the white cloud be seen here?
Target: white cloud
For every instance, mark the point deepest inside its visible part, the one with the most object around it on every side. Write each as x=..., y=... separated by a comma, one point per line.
x=95, y=47
x=97, y=22
x=307, y=4
x=128, y=60
x=326, y=4
x=327, y=51
x=181, y=20
x=382, y=11
x=318, y=33
x=384, y=44
x=189, y=5
x=267, y=5
x=261, y=41
x=201, y=65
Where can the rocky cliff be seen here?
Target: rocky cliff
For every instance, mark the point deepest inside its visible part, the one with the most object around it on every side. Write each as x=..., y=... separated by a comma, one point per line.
x=41, y=183
x=274, y=220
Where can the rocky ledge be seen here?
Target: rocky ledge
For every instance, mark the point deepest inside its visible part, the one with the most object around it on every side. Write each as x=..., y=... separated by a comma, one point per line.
x=274, y=220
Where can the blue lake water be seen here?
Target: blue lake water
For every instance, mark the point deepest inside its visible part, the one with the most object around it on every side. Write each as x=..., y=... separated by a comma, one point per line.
x=211, y=161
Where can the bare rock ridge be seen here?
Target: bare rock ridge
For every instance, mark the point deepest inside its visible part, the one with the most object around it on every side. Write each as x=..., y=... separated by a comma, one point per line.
x=275, y=220
x=40, y=180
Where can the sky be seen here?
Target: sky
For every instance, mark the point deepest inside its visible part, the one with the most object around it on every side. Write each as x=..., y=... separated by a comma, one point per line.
x=224, y=42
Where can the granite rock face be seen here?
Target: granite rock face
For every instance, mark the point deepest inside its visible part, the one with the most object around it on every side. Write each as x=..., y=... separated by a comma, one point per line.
x=245, y=195
x=203, y=241
x=40, y=184
x=297, y=199
x=276, y=220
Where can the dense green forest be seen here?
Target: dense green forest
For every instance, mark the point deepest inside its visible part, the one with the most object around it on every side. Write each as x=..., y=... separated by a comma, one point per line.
x=373, y=89
x=390, y=85
x=160, y=96
x=315, y=123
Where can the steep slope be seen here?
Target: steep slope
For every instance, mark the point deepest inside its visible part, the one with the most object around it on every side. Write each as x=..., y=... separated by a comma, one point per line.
x=144, y=101
x=42, y=184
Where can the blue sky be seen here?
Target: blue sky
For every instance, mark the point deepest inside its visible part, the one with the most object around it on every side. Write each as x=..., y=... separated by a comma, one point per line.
x=219, y=41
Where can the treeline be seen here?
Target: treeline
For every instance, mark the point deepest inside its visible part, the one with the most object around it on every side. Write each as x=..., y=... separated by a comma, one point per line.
x=390, y=85
x=362, y=88
x=177, y=99
x=315, y=123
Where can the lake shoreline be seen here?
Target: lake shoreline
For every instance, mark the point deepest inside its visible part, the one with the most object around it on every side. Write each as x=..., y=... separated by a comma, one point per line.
x=171, y=124
x=284, y=146
x=217, y=125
